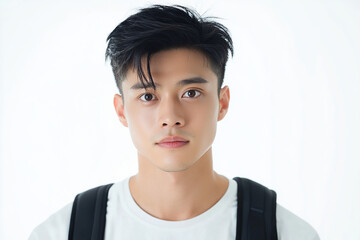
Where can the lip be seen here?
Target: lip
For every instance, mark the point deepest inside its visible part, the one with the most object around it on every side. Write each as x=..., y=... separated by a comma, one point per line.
x=172, y=139
x=172, y=142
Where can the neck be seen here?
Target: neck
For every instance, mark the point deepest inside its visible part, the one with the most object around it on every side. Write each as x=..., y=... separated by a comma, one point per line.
x=176, y=196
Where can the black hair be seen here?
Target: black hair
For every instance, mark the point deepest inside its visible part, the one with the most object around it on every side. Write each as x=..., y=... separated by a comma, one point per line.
x=161, y=27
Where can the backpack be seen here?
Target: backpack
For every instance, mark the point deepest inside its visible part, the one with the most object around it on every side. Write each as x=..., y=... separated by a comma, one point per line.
x=256, y=212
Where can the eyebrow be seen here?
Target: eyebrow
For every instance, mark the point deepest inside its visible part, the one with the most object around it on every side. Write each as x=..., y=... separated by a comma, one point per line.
x=179, y=84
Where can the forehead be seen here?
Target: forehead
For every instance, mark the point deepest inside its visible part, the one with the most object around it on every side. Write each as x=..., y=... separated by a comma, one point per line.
x=172, y=66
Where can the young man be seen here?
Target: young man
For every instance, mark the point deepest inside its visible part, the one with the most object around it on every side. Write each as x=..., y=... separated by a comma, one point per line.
x=169, y=67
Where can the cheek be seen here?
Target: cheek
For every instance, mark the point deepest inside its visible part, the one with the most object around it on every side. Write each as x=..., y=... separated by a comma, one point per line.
x=140, y=124
x=206, y=119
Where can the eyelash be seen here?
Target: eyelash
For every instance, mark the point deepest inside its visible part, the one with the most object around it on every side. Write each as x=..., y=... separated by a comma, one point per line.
x=185, y=92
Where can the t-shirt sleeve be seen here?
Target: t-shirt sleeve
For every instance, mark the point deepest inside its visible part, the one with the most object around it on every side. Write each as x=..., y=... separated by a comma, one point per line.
x=292, y=227
x=56, y=227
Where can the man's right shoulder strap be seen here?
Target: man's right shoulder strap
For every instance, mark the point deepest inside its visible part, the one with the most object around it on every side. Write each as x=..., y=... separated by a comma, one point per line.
x=256, y=212
x=89, y=214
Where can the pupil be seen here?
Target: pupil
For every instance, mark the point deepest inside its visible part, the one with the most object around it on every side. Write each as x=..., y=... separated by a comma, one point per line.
x=189, y=93
x=148, y=97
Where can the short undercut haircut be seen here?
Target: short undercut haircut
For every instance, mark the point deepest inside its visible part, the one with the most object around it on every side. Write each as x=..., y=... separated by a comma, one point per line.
x=161, y=27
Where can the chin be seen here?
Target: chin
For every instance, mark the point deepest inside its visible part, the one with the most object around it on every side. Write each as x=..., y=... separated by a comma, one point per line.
x=176, y=168
x=171, y=170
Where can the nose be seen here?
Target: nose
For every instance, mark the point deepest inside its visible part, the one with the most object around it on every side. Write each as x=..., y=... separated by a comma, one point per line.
x=171, y=114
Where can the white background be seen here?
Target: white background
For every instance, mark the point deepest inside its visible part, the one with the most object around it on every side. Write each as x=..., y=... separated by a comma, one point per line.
x=293, y=122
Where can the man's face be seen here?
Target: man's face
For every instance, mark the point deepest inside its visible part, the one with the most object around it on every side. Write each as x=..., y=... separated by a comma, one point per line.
x=190, y=111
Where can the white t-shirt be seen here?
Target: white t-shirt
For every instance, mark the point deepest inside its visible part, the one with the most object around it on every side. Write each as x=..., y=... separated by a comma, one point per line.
x=126, y=220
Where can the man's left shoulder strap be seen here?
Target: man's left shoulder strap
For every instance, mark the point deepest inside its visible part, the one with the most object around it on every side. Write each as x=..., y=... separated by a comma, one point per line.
x=256, y=212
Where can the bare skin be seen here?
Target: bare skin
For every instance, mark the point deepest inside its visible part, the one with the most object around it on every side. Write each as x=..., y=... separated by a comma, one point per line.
x=178, y=183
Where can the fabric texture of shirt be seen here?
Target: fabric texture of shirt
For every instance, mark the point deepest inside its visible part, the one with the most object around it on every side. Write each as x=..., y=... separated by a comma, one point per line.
x=126, y=220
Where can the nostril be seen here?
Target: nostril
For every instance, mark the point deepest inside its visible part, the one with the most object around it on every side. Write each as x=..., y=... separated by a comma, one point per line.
x=177, y=123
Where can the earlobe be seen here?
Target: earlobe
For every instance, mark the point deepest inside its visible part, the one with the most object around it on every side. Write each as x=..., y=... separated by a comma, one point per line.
x=119, y=108
x=223, y=102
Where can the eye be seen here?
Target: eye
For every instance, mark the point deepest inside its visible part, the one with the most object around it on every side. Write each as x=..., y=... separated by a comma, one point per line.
x=146, y=97
x=192, y=93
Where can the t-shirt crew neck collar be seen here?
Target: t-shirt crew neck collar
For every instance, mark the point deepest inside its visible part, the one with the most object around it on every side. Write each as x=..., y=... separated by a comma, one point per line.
x=136, y=212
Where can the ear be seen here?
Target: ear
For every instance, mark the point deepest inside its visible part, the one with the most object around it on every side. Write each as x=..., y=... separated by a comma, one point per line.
x=119, y=108
x=224, y=100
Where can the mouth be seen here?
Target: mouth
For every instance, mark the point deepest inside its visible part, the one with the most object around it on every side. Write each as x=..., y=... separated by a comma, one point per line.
x=174, y=144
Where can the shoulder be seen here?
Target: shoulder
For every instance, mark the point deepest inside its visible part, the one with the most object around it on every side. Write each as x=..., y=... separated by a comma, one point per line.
x=56, y=227
x=290, y=226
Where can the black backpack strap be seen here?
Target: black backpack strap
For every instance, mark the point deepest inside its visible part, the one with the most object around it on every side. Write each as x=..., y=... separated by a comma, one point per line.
x=256, y=212
x=88, y=214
